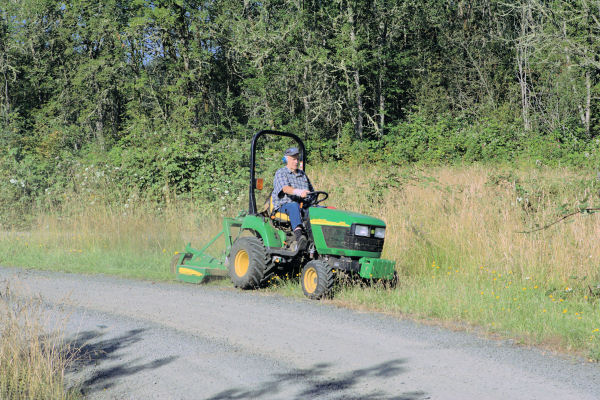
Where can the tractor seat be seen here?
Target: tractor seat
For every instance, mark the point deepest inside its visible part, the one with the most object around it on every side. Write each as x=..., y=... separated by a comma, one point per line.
x=267, y=210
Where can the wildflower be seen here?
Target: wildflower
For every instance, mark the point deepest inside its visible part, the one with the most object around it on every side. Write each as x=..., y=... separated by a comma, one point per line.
x=565, y=311
x=544, y=310
x=568, y=289
x=535, y=287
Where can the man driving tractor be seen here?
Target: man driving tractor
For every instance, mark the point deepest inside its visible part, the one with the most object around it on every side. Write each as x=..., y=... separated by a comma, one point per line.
x=290, y=186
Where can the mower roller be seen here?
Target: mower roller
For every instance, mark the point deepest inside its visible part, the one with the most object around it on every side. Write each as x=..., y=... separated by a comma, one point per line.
x=339, y=242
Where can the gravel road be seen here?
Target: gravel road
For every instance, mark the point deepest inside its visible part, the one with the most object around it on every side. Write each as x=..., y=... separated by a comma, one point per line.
x=145, y=340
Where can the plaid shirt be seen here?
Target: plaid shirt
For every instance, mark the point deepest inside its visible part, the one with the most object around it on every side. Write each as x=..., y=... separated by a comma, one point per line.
x=284, y=177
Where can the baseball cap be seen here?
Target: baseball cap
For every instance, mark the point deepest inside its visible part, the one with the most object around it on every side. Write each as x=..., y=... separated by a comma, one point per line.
x=292, y=151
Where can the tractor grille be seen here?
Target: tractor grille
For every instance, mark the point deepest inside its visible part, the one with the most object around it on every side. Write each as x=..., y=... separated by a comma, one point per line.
x=337, y=237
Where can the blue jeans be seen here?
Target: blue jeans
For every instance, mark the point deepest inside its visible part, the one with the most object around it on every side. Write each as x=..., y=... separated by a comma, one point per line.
x=293, y=211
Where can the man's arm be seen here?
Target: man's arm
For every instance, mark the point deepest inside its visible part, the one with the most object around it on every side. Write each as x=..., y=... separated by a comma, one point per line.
x=295, y=192
x=281, y=184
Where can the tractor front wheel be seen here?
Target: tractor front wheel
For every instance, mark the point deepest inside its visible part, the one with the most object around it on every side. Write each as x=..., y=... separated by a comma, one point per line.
x=317, y=280
x=247, y=262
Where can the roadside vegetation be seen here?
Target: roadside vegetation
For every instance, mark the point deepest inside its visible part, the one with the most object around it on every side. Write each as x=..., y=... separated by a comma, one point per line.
x=124, y=132
x=454, y=233
x=32, y=361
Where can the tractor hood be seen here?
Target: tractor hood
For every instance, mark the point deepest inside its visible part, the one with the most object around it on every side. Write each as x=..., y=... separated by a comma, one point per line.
x=335, y=217
x=333, y=233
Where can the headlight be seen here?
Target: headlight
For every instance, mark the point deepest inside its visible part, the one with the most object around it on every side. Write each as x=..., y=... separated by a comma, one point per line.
x=380, y=233
x=361, y=230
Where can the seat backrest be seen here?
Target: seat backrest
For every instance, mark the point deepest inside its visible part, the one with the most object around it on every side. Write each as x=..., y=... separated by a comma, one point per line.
x=268, y=211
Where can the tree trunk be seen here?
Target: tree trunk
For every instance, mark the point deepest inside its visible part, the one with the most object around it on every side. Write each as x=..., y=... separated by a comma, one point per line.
x=306, y=105
x=588, y=101
x=381, y=105
x=359, y=128
x=380, y=79
x=523, y=65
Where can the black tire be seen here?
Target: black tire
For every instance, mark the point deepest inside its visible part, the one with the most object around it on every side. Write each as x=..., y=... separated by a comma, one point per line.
x=391, y=283
x=248, y=261
x=317, y=280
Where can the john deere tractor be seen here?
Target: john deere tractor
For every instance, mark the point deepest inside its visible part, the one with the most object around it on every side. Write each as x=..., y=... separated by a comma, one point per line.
x=263, y=246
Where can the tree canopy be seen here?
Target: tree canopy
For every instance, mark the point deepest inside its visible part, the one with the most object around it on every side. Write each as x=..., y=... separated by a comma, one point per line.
x=162, y=88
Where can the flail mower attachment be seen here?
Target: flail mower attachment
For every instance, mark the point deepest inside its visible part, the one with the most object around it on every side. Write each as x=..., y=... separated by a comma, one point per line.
x=195, y=266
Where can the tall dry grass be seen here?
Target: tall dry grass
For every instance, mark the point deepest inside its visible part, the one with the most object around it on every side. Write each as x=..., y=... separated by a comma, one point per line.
x=466, y=216
x=32, y=362
x=471, y=216
x=133, y=241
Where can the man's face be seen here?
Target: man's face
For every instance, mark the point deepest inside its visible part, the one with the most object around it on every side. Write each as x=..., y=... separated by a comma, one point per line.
x=292, y=162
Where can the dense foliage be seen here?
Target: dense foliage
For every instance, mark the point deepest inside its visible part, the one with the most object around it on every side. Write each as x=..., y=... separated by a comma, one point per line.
x=162, y=96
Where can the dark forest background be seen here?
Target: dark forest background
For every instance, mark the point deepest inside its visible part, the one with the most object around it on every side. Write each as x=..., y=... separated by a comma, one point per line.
x=163, y=96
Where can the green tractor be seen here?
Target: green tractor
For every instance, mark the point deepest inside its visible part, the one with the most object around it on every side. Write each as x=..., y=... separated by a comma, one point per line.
x=259, y=245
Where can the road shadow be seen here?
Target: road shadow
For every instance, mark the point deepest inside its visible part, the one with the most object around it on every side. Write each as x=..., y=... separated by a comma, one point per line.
x=91, y=349
x=319, y=382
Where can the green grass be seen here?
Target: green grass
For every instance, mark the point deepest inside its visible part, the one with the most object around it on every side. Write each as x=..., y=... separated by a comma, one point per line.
x=451, y=231
x=529, y=311
x=125, y=260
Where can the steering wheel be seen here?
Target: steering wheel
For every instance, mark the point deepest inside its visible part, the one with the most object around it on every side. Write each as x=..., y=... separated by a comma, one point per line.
x=312, y=198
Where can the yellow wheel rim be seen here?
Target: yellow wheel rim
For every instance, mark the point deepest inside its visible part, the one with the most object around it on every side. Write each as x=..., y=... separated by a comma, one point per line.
x=241, y=263
x=310, y=280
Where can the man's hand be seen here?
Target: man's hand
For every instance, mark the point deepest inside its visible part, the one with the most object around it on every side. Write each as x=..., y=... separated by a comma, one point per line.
x=301, y=192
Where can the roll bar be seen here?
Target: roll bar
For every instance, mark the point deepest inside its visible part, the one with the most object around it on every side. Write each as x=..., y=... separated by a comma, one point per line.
x=302, y=158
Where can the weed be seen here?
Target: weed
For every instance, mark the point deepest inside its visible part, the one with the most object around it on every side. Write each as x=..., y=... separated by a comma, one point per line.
x=32, y=363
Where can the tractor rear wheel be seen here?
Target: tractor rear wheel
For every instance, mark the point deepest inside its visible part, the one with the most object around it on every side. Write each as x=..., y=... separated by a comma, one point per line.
x=317, y=280
x=248, y=261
